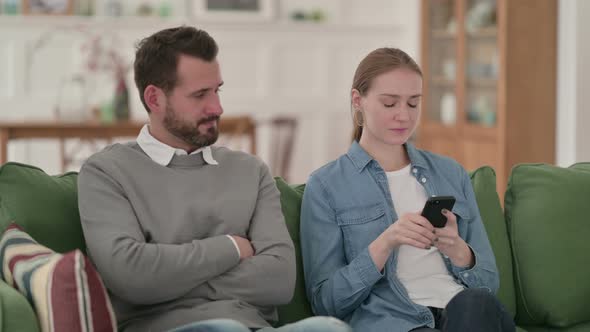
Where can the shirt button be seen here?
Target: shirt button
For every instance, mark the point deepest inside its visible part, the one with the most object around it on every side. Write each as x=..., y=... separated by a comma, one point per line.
x=415, y=170
x=465, y=274
x=423, y=180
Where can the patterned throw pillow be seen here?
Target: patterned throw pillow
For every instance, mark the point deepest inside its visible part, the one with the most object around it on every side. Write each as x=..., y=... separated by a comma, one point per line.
x=65, y=290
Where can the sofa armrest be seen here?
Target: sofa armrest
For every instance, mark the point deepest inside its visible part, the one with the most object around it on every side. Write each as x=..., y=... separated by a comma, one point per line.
x=16, y=314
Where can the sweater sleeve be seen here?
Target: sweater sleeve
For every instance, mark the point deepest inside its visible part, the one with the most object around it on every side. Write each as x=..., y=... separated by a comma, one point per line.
x=133, y=269
x=268, y=277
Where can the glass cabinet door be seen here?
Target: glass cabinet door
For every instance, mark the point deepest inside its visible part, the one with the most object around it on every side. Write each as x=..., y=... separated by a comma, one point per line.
x=442, y=62
x=481, y=62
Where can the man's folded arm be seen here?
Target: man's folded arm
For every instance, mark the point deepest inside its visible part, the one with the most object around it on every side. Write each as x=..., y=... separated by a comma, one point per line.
x=133, y=269
x=268, y=277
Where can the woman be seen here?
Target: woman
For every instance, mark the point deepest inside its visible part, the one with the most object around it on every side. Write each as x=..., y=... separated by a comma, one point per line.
x=369, y=257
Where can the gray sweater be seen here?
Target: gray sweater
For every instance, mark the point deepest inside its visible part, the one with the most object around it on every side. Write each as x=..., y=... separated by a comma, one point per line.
x=157, y=236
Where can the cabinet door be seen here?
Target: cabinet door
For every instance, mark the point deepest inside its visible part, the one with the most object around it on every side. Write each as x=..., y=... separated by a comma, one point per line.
x=440, y=62
x=481, y=63
x=477, y=153
x=446, y=146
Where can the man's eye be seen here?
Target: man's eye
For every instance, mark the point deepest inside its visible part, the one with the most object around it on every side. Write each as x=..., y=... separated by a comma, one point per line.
x=413, y=105
x=389, y=105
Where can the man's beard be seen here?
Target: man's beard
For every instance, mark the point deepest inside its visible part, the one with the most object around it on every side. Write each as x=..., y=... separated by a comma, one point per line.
x=190, y=134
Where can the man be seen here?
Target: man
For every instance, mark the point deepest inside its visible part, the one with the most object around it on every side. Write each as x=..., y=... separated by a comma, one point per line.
x=180, y=231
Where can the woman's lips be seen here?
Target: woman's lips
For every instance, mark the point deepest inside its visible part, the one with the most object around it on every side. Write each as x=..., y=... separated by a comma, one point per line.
x=399, y=130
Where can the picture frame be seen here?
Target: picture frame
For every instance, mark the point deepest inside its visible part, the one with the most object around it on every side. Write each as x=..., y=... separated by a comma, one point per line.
x=233, y=10
x=47, y=7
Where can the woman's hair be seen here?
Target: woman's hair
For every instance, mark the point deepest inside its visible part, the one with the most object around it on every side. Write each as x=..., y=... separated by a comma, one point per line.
x=377, y=62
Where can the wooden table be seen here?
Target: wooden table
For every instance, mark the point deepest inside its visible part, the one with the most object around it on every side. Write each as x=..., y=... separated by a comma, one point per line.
x=242, y=125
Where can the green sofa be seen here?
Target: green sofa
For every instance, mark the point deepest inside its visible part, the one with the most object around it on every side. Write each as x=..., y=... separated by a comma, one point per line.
x=541, y=239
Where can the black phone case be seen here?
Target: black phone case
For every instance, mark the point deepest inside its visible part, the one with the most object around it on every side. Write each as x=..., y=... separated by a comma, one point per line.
x=433, y=209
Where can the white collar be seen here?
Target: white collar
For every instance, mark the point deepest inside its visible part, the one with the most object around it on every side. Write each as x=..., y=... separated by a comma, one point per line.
x=162, y=153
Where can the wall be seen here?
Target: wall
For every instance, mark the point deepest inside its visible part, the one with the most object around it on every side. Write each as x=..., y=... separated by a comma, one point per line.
x=401, y=20
x=583, y=83
x=270, y=68
x=573, y=109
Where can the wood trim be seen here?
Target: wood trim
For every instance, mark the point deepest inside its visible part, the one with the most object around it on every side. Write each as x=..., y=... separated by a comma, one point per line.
x=531, y=116
x=97, y=130
x=502, y=26
x=461, y=80
x=4, y=137
x=473, y=131
x=424, y=55
x=69, y=10
x=434, y=130
x=526, y=32
x=69, y=130
x=241, y=125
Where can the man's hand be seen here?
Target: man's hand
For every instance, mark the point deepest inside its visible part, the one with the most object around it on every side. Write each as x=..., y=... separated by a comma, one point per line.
x=245, y=247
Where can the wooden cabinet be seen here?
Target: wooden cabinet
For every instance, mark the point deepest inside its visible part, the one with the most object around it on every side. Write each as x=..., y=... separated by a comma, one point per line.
x=490, y=71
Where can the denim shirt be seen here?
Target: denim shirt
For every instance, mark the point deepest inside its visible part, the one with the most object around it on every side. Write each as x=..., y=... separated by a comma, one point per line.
x=346, y=206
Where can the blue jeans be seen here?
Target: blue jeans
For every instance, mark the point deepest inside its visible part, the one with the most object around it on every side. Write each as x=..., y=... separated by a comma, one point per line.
x=312, y=324
x=213, y=325
x=472, y=310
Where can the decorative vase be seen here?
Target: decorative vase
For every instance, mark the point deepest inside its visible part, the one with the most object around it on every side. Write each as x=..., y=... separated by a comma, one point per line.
x=71, y=103
x=121, y=100
x=448, y=109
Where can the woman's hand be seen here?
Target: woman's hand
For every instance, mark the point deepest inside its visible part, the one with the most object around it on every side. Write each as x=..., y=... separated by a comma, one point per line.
x=451, y=244
x=411, y=229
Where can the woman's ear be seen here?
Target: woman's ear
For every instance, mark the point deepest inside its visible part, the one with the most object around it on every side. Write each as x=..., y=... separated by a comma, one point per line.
x=355, y=99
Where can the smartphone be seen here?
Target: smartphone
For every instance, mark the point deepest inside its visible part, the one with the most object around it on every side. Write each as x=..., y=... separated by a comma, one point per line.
x=433, y=209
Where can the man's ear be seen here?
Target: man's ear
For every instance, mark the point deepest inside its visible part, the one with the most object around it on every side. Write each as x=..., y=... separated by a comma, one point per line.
x=155, y=98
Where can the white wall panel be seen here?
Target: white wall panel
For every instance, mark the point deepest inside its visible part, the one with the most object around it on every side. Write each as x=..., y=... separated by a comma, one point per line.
x=298, y=72
x=241, y=72
x=7, y=68
x=270, y=68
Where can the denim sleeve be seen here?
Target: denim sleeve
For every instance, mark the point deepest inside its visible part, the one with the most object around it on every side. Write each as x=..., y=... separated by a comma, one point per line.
x=335, y=287
x=484, y=273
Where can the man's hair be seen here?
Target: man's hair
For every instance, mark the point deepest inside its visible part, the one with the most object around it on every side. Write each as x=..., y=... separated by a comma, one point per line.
x=157, y=56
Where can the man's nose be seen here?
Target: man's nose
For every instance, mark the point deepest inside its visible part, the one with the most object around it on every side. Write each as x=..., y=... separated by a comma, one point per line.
x=214, y=108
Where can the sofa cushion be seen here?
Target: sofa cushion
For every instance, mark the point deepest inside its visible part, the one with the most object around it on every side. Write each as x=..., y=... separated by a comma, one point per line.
x=483, y=180
x=584, y=327
x=548, y=216
x=484, y=184
x=299, y=308
x=65, y=290
x=16, y=314
x=45, y=206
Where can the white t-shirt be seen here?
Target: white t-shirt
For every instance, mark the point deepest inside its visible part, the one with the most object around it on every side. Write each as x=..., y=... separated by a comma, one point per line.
x=422, y=272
